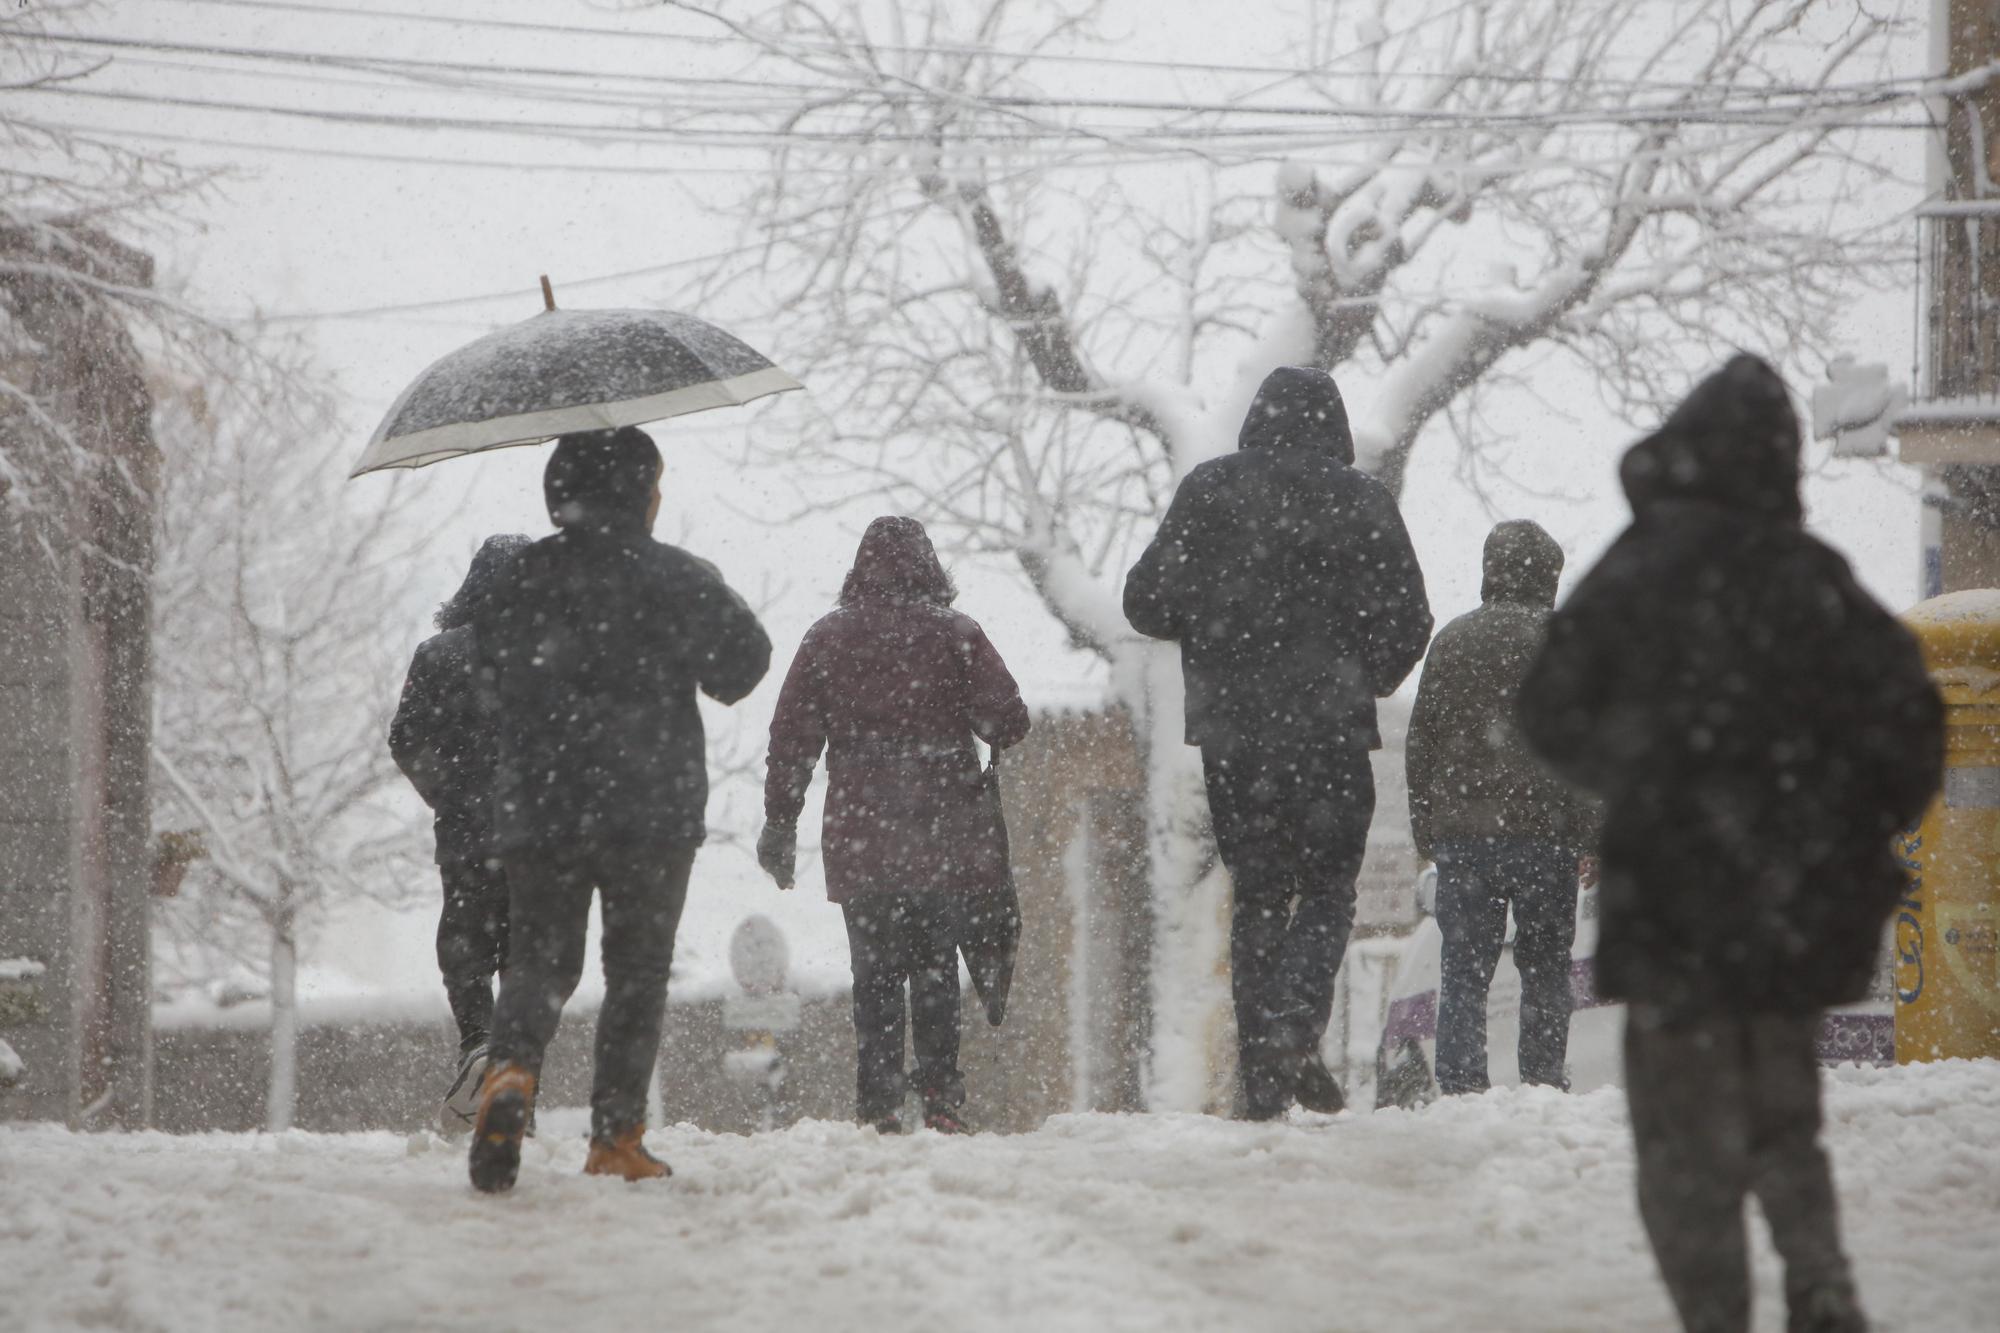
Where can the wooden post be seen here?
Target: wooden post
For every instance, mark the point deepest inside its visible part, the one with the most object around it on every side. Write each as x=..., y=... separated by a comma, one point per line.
x=548, y=294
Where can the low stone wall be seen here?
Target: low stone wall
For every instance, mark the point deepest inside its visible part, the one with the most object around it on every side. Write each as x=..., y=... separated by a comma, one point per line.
x=391, y=1074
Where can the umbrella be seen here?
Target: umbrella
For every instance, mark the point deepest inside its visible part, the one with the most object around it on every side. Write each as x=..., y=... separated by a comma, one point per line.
x=989, y=917
x=564, y=371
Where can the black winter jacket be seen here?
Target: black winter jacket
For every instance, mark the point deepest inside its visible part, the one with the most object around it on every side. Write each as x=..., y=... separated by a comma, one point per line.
x=595, y=641
x=1287, y=578
x=1758, y=727
x=442, y=739
x=1471, y=775
x=442, y=735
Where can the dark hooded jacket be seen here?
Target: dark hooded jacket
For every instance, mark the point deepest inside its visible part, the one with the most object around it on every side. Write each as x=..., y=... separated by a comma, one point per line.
x=1757, y=726
x=595, y=641
x=1471, y=776
x=442, y=735
x=893, y=685
x=1287, y=578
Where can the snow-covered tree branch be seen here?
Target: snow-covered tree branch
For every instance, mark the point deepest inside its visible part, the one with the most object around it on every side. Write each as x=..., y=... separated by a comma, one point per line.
x=274, y=684
x=1031, y=364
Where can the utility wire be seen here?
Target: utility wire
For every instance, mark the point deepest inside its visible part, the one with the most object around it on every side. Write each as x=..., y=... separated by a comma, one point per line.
x=1758, y=100
x=862, y=137
x=1012, y=56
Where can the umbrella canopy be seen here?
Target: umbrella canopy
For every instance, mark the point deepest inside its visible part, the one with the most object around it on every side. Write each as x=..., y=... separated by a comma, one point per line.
x=564, y=371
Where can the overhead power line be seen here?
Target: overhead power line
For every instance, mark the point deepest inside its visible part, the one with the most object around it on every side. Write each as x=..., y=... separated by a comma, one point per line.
x=996, y=53
x=1772, y=101
x=1388, y=120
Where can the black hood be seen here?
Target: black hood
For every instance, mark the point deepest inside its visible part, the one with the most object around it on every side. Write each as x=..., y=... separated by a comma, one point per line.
x=1298, y=407
x=601, y=479
x=491, y=558
x=1523, y=564
x=1734, y=442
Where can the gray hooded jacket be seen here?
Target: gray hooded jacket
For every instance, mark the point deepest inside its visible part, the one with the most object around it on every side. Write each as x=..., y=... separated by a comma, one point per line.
x=1471, y=775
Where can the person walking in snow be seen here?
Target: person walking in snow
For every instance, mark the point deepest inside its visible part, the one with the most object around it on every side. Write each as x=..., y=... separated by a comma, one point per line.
x=893, y=685
x=596, y=640
x=1758, y=729
x=1288, y=580
x=1502, y=829
x=442, y=740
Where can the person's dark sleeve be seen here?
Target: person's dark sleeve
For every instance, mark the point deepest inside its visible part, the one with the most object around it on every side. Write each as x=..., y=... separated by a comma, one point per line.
x=413, y=733
x=1162, y=589
x=737, y=651
x=798, y=734
x=1420, y=750
x=1560, y=709
x=1397, y=606
x=1895, y=736
x=998, y=716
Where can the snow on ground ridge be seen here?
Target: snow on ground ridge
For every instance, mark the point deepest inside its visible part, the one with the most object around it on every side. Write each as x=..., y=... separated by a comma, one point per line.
x=1513, y=1210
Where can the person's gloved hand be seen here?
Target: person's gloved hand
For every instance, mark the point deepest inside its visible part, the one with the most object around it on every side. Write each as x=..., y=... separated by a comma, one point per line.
x=778, y=851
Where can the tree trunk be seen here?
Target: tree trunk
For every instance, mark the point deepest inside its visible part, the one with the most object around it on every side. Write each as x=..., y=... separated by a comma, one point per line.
x=1185, y=977
x=282, y=1093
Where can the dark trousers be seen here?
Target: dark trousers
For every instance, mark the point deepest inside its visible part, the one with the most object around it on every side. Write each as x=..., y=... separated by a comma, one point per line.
x=641, y=892
x=894, y=938
x=1477, y=880
x=1291, y=822
x=472, y=943
x=1722, y=1108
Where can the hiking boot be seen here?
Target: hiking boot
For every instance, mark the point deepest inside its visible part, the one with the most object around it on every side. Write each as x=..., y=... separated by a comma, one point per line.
x=506, y=1102
x=888, y=1124
x=944, y=1120
x=461, y=1099
x=624, y=1155
x=1317, y=1088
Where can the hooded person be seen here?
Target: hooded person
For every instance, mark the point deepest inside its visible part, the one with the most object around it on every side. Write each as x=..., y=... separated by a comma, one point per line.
x=1287, y=578
x=442, y=740
x=594, y=643
x=1503, y=830
x=894, y=685
x=1758, y=730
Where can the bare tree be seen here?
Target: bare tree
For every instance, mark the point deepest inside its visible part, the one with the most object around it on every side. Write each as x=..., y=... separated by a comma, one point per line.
x=1031, y=305
x=275, y=681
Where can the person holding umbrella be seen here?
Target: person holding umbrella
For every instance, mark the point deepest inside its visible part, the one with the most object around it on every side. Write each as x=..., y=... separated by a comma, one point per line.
x=595, y=641
x=894, y=685
x=592, y=644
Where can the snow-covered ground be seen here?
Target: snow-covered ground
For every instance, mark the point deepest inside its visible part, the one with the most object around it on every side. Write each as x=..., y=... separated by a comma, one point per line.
x=1508, y=1212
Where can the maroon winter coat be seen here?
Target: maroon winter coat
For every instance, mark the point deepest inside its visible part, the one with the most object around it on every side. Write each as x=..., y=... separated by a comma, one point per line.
x=894, y=684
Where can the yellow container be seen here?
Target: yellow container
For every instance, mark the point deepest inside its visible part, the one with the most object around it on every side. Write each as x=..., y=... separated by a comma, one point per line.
x=1947, y=928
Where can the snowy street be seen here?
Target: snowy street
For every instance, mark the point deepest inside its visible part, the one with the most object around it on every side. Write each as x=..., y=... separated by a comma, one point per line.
x=1508, y=1212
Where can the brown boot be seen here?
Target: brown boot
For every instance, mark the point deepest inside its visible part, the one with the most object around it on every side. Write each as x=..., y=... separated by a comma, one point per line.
x=624, y=1154
x=506, y=1104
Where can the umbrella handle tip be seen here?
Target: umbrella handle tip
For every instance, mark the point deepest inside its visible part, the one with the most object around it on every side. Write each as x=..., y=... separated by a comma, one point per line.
x=548, y=294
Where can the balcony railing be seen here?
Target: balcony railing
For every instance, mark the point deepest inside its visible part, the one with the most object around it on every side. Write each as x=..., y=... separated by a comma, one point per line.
x=1959, y=296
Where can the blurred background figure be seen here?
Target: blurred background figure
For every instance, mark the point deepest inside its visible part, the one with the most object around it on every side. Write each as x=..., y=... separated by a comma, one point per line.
x=1502, y=829
x=894, y=685
x=1759, y=730
x=442, y=739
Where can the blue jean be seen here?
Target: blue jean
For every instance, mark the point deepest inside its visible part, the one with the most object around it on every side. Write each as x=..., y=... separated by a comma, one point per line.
x=1477, y=881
